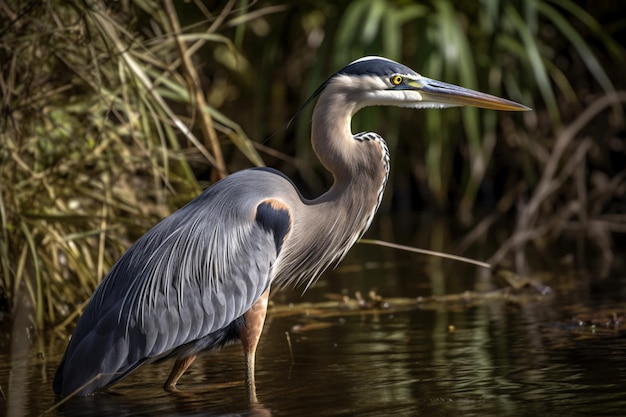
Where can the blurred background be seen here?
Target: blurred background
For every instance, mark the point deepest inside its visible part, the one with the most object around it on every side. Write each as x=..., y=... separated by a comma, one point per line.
x=114, y=114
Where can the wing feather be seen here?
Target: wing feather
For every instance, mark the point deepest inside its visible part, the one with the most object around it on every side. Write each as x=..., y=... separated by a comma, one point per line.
x=189, y=277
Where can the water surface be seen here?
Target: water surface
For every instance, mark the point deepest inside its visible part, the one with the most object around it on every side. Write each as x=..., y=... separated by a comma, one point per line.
x=506, y=356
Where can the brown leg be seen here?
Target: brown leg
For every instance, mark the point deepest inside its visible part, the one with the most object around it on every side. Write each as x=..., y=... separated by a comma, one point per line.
x=180, y=366
x=250, y=335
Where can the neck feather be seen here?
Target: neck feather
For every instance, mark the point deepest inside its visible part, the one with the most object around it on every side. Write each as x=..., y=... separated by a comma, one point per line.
x=332, y=223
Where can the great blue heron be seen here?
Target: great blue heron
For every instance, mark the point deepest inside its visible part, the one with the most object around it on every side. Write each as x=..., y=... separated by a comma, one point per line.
x=201, y=278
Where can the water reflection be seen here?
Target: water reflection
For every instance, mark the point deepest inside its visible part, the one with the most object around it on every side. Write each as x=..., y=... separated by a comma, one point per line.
x=500, y=357
x=491, y=359
x=130, y=404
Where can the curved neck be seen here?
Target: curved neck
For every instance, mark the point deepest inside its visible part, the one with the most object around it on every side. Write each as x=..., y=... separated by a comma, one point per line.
x=330, y=224
x=331, y=134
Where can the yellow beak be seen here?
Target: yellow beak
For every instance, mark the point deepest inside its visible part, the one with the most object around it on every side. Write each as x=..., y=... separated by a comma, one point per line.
x=438, y=92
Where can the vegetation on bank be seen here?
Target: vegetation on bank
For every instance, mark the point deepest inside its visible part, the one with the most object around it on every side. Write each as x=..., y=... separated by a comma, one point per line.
x=115, y=114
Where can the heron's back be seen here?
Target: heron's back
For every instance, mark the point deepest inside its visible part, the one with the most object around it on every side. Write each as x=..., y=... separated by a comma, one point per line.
x=181, y=288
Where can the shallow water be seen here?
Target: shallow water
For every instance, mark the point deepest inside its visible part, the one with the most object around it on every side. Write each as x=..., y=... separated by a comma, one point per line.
x=504, y=356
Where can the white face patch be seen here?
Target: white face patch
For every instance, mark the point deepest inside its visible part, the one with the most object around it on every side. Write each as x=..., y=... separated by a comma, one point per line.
x=378, y=81
x=361, y=83
x=370, y=90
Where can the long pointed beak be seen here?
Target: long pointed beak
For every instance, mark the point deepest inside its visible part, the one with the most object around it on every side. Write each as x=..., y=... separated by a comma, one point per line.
x=449, y=94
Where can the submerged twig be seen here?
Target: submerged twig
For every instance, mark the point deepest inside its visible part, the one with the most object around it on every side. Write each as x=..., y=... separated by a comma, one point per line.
x=288, y=336
x=426, y=252
x=72, y=394
x=342, y=305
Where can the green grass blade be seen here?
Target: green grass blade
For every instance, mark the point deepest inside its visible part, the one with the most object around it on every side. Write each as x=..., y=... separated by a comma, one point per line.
x=535, y=61
x=577, y=41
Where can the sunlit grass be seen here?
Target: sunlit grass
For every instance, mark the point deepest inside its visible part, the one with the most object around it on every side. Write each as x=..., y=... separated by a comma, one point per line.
x=100, y=123
x=115, y=114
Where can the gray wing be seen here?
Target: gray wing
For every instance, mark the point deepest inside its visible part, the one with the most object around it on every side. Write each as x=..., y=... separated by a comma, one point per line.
x=189, y=277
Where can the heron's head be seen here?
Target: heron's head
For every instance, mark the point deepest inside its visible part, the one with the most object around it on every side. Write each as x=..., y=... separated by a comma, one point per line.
x=374, y=80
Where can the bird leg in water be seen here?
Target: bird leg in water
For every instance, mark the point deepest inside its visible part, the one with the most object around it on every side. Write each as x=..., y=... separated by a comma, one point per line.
x=250, y=335
x=180, y=366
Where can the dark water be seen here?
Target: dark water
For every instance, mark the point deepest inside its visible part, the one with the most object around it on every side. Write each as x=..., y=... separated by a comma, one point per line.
x=502, y=357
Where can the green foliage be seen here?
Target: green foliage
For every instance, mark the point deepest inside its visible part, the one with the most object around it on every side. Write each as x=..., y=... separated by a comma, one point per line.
x=495, y=46
x=99, y=128
x=111, y=111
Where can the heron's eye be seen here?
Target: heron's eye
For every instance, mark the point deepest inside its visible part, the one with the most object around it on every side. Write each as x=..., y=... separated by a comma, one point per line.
x=396, y=80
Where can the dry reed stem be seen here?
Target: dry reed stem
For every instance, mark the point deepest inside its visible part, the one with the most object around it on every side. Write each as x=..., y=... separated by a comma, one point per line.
x=552, y=179
x=107, y=26
x=195, y=89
